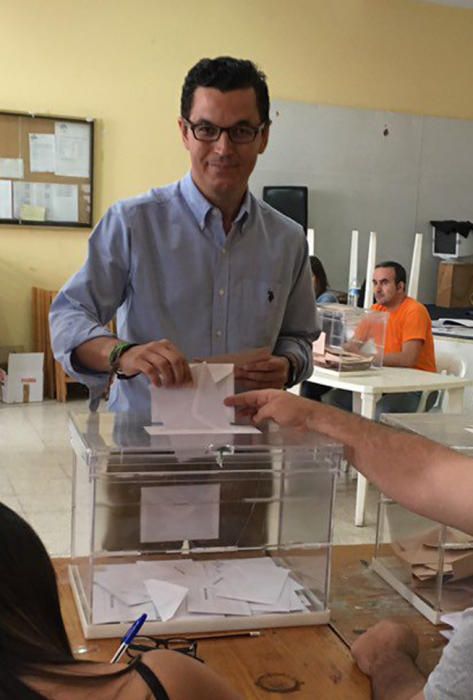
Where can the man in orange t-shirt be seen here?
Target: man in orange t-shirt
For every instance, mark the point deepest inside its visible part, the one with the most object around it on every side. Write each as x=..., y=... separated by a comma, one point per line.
x=409, y=341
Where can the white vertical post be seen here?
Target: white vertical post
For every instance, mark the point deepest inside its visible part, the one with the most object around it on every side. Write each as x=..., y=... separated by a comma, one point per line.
x=311, y=240
x=413, y=289
x=353, y=269
x=369, y=271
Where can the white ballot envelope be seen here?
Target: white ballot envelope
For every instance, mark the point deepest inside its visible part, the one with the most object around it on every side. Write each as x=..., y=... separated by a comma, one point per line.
x=199, y=406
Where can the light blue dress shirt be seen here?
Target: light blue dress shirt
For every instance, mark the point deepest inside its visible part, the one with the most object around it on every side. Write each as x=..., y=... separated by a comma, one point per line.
x=163, y=264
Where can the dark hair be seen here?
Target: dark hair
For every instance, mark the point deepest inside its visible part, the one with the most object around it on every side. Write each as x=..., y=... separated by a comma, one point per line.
x=225, y=74
x=32, y=632
x=320, y=275
x=399, y=271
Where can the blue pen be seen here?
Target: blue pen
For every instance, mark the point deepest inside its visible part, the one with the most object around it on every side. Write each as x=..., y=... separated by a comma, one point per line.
x=128, y=638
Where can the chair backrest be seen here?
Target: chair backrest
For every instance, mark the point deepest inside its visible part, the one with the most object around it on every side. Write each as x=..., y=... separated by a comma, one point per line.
x=448, y=363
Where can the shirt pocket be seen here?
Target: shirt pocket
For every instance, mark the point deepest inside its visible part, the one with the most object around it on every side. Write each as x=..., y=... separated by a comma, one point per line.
x=261, y=311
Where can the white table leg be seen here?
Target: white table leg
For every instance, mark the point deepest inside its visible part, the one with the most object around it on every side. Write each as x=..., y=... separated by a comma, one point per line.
x=366, y=405
x=455, y=400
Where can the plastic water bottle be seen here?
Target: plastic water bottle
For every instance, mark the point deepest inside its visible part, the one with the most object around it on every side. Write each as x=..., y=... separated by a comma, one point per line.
x=354, y=293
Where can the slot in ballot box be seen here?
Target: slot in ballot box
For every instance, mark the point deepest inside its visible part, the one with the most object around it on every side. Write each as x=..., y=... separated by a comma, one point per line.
x=201, y=532
x=429, y=564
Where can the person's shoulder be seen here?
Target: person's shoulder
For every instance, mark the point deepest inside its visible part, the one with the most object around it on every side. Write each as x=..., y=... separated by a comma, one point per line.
x=178, y=672
x=327, y=298
x=154, y=198
x=412, y=306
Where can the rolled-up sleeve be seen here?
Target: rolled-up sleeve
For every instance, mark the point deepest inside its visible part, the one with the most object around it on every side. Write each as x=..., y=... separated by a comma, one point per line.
x=89, y=300
x=300, y=325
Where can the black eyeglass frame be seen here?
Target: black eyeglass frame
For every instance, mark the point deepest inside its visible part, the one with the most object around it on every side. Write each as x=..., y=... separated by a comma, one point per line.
x=180, y=644
x=220, y=129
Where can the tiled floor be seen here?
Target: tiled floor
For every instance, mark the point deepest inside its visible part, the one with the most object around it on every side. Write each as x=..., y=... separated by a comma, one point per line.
x=35, y=475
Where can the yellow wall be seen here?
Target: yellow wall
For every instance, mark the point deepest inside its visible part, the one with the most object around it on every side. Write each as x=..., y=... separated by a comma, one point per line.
x=123, y=62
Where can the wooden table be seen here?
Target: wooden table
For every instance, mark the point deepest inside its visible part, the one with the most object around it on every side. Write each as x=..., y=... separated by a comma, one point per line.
x=314, y=661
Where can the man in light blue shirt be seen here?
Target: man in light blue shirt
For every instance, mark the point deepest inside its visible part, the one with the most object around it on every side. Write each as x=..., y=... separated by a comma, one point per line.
x=194, y=269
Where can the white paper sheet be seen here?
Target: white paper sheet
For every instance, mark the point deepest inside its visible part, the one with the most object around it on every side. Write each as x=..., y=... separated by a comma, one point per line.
x=60, y=202
x=124, y=581
x=42, y=153
x=197, y=409
x=108, y=608
x=171, y=513
x=6, y=206
x=12, y=168
x=251, y=582
x=72, y=148
x=166, y=597
x=204, y=601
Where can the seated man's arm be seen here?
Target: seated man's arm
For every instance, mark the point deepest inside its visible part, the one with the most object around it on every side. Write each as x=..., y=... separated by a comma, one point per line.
x=387, y=654
x=407, y=357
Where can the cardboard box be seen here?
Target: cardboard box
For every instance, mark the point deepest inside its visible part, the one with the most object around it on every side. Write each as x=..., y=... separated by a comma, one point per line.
x=24, y=380
x=455, y=284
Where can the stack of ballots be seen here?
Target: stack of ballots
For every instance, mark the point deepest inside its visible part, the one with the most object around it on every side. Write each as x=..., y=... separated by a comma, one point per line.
x=187, y=588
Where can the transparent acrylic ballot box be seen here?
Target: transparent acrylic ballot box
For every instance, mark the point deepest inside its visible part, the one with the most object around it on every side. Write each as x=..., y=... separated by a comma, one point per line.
x=429, y=564
x=351, y=339
x=201, y=532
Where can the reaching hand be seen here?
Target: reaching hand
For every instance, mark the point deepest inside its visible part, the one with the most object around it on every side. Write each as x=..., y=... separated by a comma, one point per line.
x=381, y=642
x=160, y=360
x=284, y=408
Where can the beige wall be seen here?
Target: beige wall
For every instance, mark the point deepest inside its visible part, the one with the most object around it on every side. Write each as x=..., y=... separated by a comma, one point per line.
x=123, y=62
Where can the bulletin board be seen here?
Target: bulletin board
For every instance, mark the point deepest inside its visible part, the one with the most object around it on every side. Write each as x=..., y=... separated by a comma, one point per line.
x=46, y=170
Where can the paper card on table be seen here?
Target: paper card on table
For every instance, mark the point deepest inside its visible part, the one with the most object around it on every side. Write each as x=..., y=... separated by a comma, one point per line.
x=196, y=406
x=203, y=600
x=166, y=597
x=318, y=346
x=170, y=513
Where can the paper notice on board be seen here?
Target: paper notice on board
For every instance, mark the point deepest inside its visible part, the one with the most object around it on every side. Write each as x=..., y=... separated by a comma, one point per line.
x=72, y=144
x=64, y=203
x=42, y=153
x=6, y=209
x=30, y=213
x=12, y=168
x=60, y=202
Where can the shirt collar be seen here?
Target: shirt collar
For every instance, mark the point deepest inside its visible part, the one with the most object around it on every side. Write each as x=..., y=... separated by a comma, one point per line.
x=200, y=206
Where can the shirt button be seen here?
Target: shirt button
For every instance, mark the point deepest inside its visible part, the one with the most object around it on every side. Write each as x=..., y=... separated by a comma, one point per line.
x=218, y=333
x=221, y=292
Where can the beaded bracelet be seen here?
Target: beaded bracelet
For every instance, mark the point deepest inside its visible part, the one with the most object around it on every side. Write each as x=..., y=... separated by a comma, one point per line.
x=114, y=358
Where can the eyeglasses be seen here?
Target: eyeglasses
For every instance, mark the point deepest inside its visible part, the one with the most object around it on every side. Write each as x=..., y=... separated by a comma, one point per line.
x=240, y=133
x=181, y=644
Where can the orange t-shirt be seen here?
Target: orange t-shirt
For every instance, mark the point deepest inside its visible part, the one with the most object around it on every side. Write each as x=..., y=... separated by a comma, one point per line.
x=410, y=321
